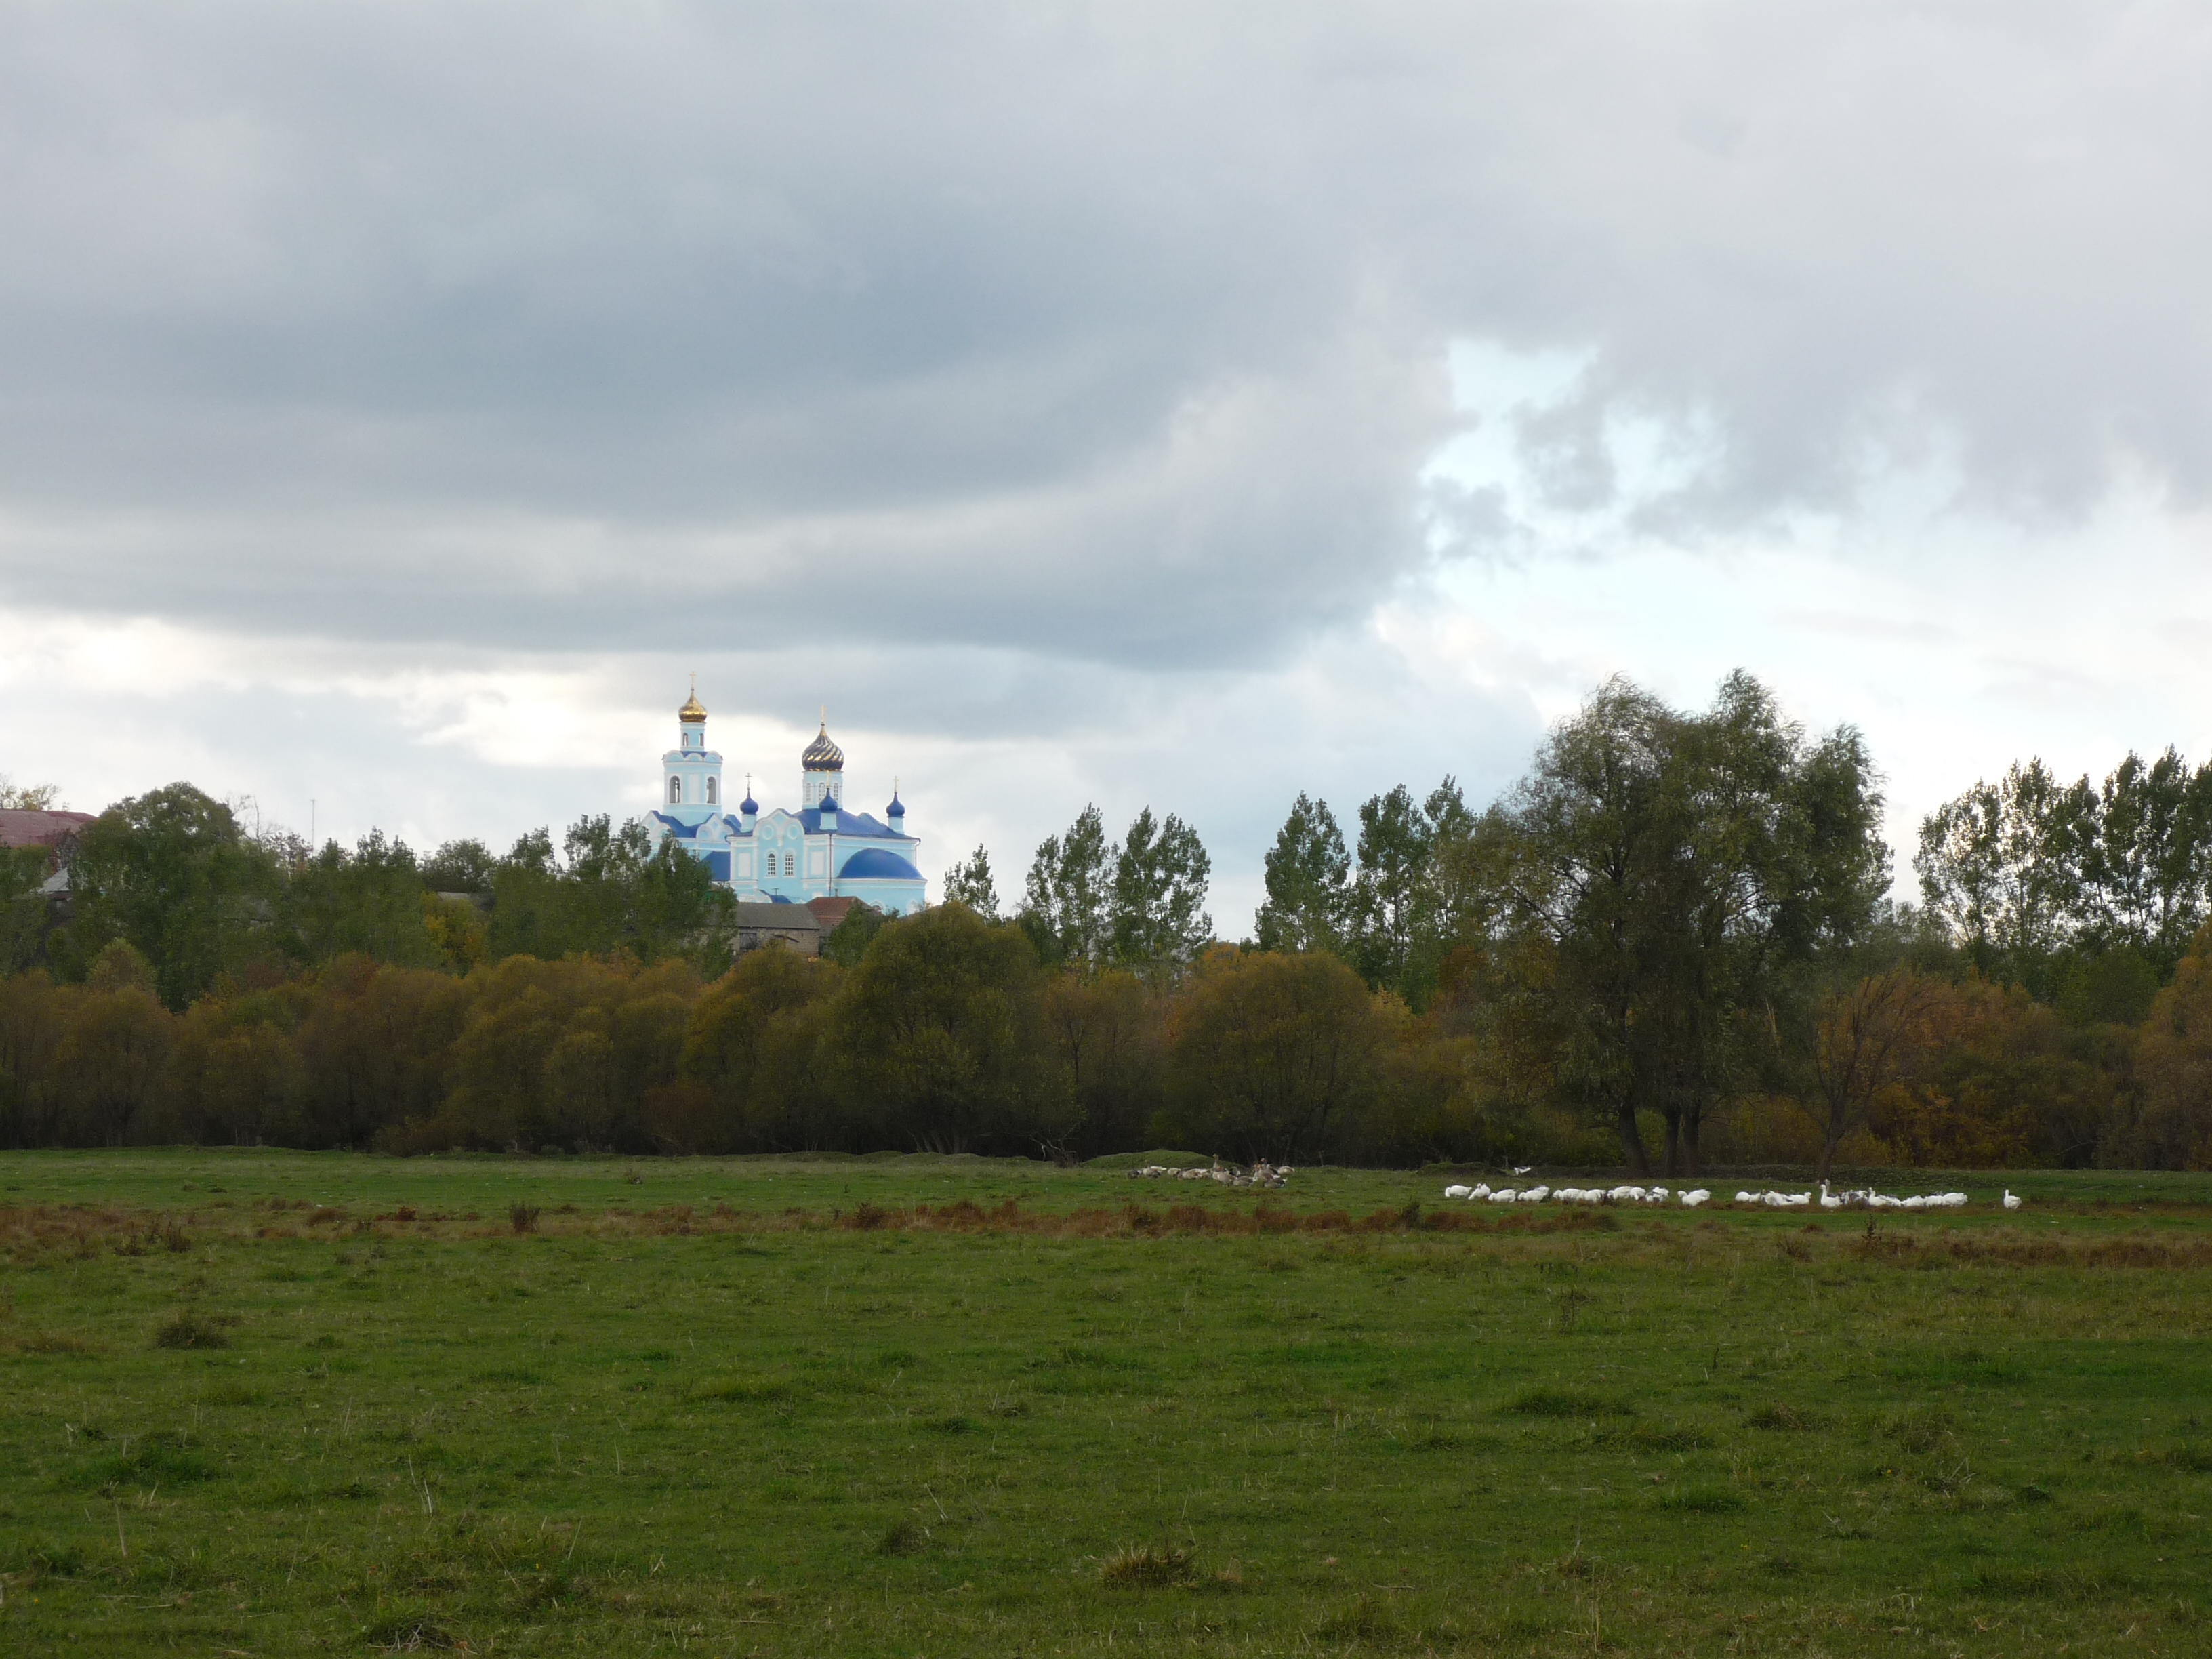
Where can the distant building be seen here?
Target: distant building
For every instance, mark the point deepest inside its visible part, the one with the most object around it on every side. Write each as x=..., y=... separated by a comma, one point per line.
x=56, y=831
x=820, y=851
x=801, y=926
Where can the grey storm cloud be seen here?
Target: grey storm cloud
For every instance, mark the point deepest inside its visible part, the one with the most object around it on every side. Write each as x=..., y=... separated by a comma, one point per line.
x=1112, y=332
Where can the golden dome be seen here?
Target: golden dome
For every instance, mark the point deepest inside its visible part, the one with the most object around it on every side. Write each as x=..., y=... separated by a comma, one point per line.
x=691, y=710
x=822, y=754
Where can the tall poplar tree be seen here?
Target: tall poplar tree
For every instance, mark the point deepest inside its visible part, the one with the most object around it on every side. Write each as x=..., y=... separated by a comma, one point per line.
x=1159, y=884
x=1065, y=907
x=1308, y=882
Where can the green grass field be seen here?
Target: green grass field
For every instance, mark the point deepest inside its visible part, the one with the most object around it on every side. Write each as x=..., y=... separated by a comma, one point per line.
x=271, y=1403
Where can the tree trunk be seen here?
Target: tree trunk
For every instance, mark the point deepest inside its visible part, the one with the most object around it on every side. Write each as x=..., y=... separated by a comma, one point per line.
x=1693, y=1118
x=1632, y=1141
x=1674, y=1141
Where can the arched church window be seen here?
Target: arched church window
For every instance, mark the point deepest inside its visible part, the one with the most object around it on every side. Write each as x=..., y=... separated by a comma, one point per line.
x=675, y=791
x=713, y=795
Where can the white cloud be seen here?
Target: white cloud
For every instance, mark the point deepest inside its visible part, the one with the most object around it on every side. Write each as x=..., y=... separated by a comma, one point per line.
x=1152, y=402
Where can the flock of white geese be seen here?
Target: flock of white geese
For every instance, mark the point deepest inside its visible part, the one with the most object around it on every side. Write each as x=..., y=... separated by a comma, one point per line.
x=1858, y=1198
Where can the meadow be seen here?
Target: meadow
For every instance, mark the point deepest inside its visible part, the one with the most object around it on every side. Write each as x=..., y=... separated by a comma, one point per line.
x=274, y=1403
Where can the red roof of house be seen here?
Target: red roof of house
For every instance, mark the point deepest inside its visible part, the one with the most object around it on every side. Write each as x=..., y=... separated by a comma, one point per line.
x=21, y=828
x=831, y=911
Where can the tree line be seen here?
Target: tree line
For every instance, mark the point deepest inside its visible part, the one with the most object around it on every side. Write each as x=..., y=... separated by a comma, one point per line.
x=208, y=904
x=948, y=1032
x=1669, y=944
x=2087, y=892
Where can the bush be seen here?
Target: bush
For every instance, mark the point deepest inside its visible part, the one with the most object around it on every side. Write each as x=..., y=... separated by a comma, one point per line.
x=190, y=1330
x=1144, y=1566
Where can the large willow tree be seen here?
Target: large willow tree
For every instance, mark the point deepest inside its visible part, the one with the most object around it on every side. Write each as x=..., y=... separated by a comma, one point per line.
x=1670, y=867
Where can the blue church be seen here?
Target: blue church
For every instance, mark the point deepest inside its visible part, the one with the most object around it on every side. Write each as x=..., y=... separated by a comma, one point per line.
x=820, y=851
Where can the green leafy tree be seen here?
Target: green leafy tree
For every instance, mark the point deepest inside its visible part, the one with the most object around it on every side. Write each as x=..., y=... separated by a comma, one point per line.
x=170, y=873
x=23, y=870
x=35, y=1015
x=27, y=797
x=109, y=1068
x=1158, y=914
x=1309, y=905
x=968, y=882
x=1105, y=1033
x=367, y=903
x=1676, y=866
x=939, y=1036
x=753, y=1047
x=2002, y=866
x=1267, y=1053
x=2170, y=1127
x=1402, y=916
x=24, y=911
x=460, y=866
x=234, y=1074
x=612, y=889
x=847, y=942
x=1067, y=909
x=373, y=1041
x=2144, y=858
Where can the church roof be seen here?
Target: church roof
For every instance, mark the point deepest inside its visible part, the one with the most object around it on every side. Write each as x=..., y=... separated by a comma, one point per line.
x=836, y=820
x=879, y=863
x=812, y=820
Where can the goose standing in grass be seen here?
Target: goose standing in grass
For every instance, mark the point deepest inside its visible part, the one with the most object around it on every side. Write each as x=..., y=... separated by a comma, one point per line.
x=2010, y=1201
x=1457, y=1191
x=1696, y=1196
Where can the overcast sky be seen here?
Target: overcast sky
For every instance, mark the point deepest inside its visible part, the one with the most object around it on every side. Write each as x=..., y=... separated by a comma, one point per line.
x=1181, y=404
